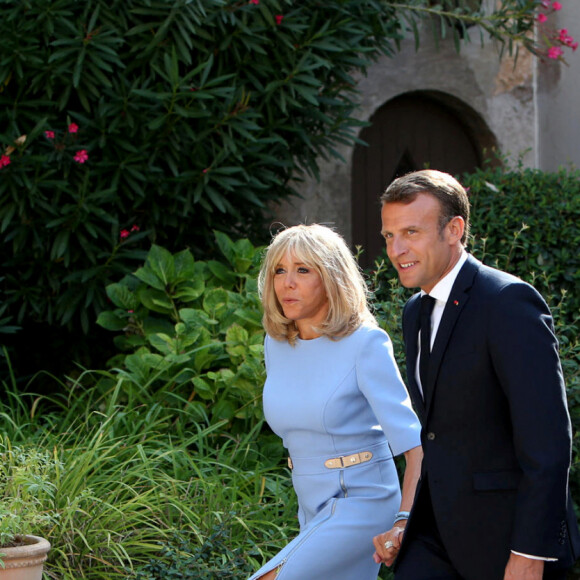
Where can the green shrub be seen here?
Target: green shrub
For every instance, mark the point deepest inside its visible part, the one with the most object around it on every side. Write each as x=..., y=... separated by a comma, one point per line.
x=27, y=487
x=526, y=221
x=176, y=116
x=215, y=558
x=194, y=328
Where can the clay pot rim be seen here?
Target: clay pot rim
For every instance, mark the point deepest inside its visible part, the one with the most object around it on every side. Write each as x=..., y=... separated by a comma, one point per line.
x=35, y=545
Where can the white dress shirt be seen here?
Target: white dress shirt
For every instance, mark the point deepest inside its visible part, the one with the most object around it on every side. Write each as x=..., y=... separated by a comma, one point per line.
x=440, y=292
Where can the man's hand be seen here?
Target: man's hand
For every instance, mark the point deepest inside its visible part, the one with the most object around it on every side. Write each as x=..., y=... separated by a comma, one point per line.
x=522, y=568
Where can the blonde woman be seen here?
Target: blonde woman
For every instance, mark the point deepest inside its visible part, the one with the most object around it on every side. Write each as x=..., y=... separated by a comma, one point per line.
x=335, y=396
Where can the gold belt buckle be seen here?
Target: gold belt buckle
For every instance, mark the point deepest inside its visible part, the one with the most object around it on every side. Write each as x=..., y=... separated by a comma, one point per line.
x=348, y=460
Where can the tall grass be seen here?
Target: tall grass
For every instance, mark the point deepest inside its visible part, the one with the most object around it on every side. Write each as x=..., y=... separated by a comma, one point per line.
x=140, y=481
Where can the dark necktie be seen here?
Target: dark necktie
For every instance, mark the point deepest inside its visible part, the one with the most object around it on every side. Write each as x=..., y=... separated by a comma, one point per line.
x=427, y=304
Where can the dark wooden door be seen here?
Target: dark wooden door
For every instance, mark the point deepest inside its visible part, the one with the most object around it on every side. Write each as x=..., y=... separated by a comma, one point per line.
x=411, y=132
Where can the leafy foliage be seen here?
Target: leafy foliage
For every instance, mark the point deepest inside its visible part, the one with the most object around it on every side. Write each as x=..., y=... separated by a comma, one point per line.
x=194, y=115
x=116, y=474
x=214, y=558
x=187, y=115
x=26, y=488
x=194, y=327
x=526, y=221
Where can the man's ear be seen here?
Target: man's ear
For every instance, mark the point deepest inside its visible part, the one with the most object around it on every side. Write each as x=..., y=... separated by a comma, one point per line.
x=455, y=228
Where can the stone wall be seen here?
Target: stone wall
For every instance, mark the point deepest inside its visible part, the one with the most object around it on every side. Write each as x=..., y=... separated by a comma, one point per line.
x=530, y=107
x=558, y=100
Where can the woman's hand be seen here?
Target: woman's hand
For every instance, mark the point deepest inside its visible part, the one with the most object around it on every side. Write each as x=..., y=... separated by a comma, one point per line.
x=387, y=544
x=394, y=536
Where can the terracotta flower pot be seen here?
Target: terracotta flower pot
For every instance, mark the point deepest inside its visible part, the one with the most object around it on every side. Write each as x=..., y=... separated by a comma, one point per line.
x=24, y=562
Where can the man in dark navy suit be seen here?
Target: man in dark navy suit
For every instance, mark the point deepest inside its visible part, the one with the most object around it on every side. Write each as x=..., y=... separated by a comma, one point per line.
x=485, y=378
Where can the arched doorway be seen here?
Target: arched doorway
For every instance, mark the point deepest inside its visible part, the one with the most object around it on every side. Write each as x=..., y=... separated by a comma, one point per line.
x=412, y=131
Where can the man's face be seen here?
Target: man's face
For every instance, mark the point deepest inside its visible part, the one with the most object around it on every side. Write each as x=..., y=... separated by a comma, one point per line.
x=421, y=253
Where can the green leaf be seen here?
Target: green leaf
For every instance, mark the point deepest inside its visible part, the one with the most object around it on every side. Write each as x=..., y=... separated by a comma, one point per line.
x=189, y=291
x=203, y=389
x=236, y=341
x=122, y=297
x=146, y=274
x=155, y=300
x=226, y=246
x=111, y=321
x=163, y=343
x=215, y=300
x=184, y=265
x=222, y=272
x=60, y=245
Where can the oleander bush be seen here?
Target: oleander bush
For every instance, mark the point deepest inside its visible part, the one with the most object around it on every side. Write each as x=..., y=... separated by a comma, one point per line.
x=130, y=122
x=176, y=117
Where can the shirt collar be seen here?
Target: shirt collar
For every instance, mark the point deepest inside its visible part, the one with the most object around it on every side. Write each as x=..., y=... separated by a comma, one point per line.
x=442, y=289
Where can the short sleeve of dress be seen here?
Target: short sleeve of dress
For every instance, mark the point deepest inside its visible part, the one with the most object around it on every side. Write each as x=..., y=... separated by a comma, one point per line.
x=381, y=383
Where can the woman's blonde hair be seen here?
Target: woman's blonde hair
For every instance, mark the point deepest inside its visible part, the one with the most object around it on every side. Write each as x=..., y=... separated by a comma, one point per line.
x=325, y=251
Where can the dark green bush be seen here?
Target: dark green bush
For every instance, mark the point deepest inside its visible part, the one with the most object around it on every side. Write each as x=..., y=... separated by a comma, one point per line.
x=122, y=120
x=175, y=116
x=214, y=558
x=526, y=221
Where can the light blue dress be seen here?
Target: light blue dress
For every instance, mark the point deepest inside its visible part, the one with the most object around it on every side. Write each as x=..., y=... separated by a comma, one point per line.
x=327, y=399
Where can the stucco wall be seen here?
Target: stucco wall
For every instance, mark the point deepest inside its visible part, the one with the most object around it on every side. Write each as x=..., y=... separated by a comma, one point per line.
x=501, y=95
x=558, y=100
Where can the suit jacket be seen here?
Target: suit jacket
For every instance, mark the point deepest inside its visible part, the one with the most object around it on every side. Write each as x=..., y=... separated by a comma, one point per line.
x=496, y=431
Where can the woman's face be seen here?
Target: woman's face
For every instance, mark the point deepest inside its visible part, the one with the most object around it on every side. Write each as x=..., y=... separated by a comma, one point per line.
x=301, y=294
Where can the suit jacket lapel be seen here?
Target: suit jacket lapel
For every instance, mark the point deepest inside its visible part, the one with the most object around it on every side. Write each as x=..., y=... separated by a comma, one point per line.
x=458, y=298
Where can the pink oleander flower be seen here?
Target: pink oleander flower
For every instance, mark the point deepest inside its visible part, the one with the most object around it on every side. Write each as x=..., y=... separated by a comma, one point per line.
x=541, y=18
x=73, y=128
x=556, y=6
x=124, y=234
x=81, y=156
x=254, y=2
x=279, y=18
x=555, y=52
x=545, y=3
x=565, y=38
x=49, y=134
x=135, y=228
x=4, y=161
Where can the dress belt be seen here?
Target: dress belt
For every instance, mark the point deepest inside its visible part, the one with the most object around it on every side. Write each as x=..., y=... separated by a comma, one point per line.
x=313, y=465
